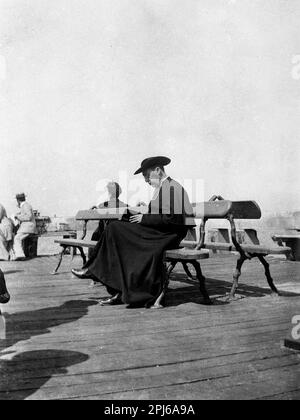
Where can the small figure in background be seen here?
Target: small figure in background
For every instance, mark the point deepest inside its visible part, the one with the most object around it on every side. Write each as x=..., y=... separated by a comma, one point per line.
x=114, y=191
x=6, y=235
x=26, y=225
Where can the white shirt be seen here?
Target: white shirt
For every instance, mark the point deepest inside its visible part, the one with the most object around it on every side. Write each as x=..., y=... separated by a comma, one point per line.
x=156, y=190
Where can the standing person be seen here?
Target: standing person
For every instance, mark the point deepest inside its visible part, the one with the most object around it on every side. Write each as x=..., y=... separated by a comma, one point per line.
x=128, y=258
x=6, y=235
x=27, y=225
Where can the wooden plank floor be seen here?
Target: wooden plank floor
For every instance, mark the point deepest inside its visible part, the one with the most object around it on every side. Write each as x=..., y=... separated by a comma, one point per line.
x=61, y=344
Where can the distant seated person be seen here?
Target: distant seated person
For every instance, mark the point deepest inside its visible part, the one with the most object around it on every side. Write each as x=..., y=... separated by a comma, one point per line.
x=26, y=225
x=114, y=191
x=6, y=235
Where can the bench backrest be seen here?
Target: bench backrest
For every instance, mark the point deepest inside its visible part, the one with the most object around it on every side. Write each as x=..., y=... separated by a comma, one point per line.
x=208, y=210
x=97, y=214
x=224, y=208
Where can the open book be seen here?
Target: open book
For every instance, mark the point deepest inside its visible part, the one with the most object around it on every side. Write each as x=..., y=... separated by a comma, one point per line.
x=128, y=213
x=131, y=211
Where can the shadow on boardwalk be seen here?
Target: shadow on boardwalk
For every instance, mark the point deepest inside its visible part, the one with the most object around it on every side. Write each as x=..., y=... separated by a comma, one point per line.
x=27, y=372
x=40, y=365
x=24, y=325
x=217, y=290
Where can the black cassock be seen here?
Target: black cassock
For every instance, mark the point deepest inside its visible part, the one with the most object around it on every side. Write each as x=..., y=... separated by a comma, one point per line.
x=129, y=257
x=114, y=203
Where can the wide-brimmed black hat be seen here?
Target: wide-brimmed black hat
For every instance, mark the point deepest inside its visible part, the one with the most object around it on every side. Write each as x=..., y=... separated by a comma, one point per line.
x=20, y=196
x=152, y=162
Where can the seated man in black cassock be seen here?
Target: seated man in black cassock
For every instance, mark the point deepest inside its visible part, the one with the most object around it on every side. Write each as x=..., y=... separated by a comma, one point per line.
x=128, y=258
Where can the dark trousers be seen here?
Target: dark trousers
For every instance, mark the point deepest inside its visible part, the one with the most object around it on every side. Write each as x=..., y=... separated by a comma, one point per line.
x=96, y=236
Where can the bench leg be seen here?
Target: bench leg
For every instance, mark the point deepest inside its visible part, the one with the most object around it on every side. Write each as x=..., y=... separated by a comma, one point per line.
x=268, y=274
x=82, y=254
x=60, y=260
x=170, y=268
x=186, y=269
x=73, y=252
x=167, y=272
x=201, y=279
x=236, y=276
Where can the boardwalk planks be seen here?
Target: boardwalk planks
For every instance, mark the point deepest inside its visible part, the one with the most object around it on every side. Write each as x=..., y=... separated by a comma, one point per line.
x=61, y=344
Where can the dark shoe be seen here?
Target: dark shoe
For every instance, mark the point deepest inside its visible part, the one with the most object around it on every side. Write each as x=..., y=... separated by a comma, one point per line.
x=83, y=274
x=5, y=298
x=135, y=305
x=114, y=300
x=4, y=295
x=19, y=259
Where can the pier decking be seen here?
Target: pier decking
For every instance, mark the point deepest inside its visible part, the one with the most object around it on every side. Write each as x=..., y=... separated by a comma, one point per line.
x=61, y=344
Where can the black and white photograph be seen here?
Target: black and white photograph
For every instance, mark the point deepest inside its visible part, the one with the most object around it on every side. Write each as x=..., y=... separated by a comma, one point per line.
x=150, y=202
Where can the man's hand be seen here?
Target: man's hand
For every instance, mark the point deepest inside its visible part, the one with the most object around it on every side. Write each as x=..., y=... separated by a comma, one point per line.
x=140, y=204
x=137, y=218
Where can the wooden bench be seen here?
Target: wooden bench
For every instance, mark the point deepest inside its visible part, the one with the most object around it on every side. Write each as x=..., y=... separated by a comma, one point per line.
x=292, y=241
x=218, y=208
x=182, y=255
x=91, y=215
x=84, y=216
x=193, y=251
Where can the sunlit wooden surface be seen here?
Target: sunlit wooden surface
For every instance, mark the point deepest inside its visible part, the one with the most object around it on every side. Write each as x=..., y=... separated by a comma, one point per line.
x=61, y=344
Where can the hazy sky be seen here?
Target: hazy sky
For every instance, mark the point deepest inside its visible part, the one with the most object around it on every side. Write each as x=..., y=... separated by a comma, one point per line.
x=89, y=88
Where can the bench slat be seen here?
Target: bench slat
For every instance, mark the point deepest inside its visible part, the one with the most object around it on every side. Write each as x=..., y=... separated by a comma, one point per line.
x=108, y=213
x=212, y=209
x=208, y=209
x=276, y=237
x=254, y=249
x=76, y=242
x=245, y=210
x=262, y=249
x=99, y=214
x=221, y=209
x=186, y=254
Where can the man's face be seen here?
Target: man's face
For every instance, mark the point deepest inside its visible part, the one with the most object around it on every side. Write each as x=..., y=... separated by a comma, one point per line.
x=151, y=176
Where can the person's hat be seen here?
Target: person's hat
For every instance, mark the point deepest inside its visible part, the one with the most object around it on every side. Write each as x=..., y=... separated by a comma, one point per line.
x=152, y=162
x=20, y=196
